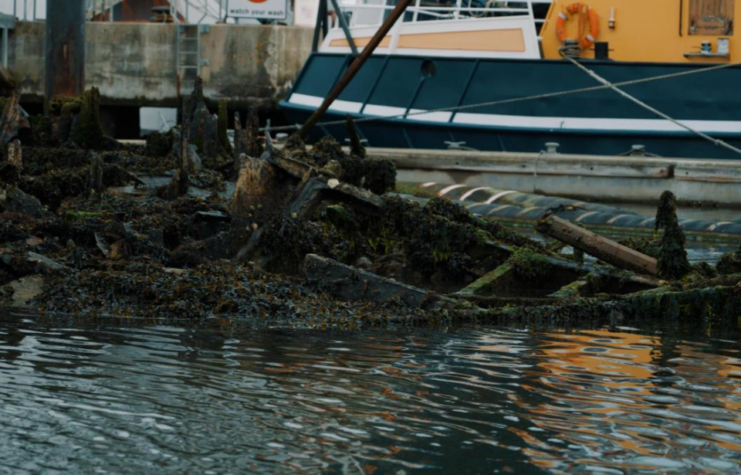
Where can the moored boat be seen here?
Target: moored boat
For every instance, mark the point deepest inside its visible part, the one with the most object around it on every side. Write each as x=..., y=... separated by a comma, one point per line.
x=499, y=77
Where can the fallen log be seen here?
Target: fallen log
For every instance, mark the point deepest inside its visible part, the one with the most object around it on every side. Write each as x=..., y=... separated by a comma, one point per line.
x=600, y=247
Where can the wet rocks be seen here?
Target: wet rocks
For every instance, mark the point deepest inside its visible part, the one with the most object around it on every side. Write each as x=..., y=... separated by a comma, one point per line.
x=14, y=200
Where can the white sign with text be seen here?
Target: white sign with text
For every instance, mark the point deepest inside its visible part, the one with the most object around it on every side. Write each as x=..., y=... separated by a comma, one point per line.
x=258, y=9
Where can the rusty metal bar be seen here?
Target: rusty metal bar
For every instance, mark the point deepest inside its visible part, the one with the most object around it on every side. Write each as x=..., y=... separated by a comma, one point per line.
x=65, y=49
x=355, y=66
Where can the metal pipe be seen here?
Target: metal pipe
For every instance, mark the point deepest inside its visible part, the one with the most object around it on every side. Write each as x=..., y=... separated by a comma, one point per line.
x=355, y=66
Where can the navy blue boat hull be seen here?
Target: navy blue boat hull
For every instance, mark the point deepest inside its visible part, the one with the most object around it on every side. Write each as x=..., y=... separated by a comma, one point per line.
x=597, y=122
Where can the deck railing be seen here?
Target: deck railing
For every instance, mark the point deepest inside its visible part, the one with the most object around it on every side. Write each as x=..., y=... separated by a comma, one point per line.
x=370, y=14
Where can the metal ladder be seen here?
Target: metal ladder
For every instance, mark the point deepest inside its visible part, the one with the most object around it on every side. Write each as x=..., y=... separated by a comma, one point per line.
x=188, y=54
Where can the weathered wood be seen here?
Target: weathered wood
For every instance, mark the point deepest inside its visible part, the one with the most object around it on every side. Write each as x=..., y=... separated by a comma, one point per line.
x=521, y=163
x=239, y=143
x=15, y=154
x=314, y=189
x=574, y=289
x=309, y=194
x=352, y=284
x=295, y=168
x=261, y=190
x=13, y=119
x=201, y=126
x=488, y=283
x=95, y=179
x=600, y=247
x=252, y=134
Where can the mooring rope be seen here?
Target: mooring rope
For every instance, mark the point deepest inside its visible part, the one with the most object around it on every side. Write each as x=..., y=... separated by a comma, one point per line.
x=288, y=128
x=634, y=99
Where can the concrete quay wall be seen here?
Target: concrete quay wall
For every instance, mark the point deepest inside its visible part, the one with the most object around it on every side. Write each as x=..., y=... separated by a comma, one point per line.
x=134, y=64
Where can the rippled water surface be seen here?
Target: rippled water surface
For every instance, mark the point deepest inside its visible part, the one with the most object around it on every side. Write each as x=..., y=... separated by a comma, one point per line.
x=132, y=400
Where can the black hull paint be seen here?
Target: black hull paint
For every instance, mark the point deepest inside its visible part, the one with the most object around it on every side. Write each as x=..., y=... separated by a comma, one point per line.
x=393, y=82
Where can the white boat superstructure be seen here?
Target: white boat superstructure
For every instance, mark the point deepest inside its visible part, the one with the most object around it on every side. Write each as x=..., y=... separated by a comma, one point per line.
x=460, y=29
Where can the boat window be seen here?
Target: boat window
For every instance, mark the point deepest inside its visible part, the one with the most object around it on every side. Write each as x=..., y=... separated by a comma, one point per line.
x=711, y=17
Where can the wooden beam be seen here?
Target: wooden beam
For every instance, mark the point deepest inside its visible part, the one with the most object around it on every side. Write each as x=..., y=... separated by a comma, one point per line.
x=595, y=245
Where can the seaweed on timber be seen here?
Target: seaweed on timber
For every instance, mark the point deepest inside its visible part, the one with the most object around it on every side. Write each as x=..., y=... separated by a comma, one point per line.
x=89, y=218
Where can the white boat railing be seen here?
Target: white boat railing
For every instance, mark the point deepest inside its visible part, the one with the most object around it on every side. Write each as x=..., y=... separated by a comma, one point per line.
x=370, y=14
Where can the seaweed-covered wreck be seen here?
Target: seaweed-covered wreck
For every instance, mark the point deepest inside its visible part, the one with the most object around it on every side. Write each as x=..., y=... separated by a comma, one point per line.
x=194, y=227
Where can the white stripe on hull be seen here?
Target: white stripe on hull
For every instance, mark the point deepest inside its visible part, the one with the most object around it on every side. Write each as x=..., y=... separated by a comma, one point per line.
x=525, y=122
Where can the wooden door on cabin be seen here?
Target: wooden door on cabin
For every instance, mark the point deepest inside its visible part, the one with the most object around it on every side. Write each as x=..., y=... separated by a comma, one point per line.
x=711, y=17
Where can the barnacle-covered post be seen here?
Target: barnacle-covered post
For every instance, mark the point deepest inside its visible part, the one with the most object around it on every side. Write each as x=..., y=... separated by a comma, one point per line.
x=673, y=263
x=65, y=49
x=356, y=145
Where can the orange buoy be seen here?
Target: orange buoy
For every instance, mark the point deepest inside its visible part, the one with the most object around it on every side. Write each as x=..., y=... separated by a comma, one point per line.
x=586, y=14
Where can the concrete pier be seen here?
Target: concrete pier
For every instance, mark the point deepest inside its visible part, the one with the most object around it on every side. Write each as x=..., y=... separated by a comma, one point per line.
x=134, y=64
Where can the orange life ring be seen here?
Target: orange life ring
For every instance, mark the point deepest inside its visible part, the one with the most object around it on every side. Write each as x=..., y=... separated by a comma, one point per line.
x=585, y=14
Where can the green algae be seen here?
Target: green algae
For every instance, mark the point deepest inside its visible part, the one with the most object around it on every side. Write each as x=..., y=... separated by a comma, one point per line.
x=530, y=266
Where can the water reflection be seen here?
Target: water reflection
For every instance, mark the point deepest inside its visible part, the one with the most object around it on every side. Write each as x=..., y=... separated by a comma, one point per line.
x=471, y=401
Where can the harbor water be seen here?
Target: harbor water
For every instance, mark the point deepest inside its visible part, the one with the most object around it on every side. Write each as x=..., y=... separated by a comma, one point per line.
x=468, y=400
